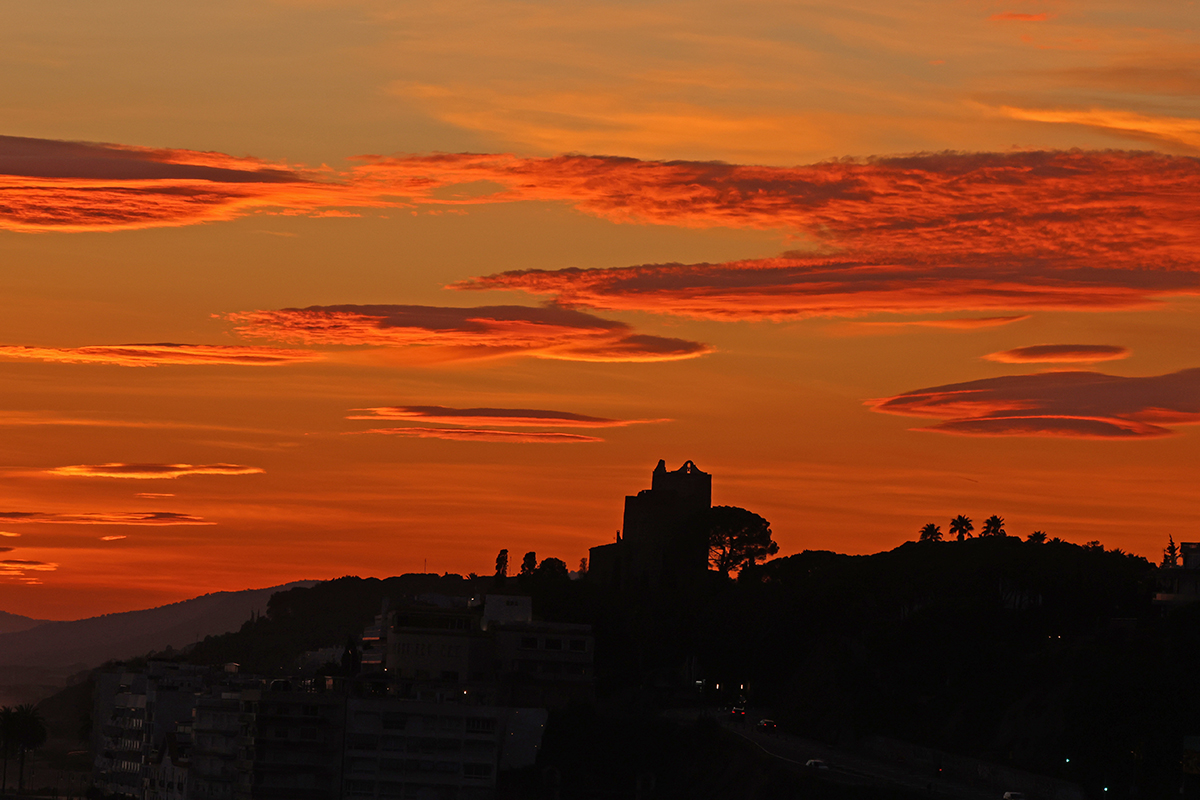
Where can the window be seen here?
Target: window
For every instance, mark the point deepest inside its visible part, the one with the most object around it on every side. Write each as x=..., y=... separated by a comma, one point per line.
x=394, y=721
x=477, y=770
x=579, y=645
x=554, y=644
x=480, y=725
x=529, y=643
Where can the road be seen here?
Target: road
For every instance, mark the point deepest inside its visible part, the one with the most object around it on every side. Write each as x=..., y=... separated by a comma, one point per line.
x=849, y=768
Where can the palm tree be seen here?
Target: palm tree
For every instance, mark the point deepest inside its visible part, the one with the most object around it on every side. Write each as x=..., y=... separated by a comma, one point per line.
x=1037, y=537
x=8, y=743
x=961, y=526
x=993, y=526
x=931, y=533
x=29, y=733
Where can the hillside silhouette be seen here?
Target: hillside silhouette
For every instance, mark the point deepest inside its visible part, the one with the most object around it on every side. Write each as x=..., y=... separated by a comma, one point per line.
x=11, y=623
x=90, y=642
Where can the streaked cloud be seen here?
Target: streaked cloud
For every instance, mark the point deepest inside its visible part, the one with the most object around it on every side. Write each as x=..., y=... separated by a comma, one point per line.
x=1107, y=208
x=543, y=332
x=112, y=538
x=151, y=471
x=1122, y=207
x=11, y=535
x=1080, y=404
x=104, y=518
x=1059, y=353
x=507, y=417
x=961, y=323
x=153, y=495
x=1175, y=130
x=153, y=355
x=76, y=186
x=486, y=435
x=20, y=569
x=796, y=285
x=1017, y=16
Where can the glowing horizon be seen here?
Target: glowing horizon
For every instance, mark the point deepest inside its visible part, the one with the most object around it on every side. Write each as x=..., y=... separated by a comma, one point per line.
x=375, y=260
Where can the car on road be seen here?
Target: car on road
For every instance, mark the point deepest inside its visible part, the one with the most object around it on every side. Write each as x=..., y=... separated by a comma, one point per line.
x=766, y=725
x=1015, y=796
x=816, y=763
x=738, y=711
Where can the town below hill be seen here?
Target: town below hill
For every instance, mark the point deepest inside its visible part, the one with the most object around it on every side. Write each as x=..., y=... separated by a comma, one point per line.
x=1046, y=658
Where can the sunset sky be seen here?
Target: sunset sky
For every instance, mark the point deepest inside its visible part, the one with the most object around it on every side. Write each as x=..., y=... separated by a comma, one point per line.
x=304, y=288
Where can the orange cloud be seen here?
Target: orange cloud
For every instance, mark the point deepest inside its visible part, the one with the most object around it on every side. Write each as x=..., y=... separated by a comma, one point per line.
x=1059, y=353
x=547, y=332
x=1081, y=404
x=151, y=471
x=105, y=518
x=486, y=435
x=75, y=186
x=1017, y=16
x=153, y=355
x=112, y=538
x=1107, y=208
x=797, y=285
x=962, y=323
x=1127, y=208
x=19, y=569
x=507, y=417
x=1175, y=130
x=153, y=495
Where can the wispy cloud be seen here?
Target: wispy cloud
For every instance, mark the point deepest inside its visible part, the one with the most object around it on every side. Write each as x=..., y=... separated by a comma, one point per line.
x=546, y=332
x=153, y=495
x=20, y=569
x=798, y=285
x=75, y=186
x=1081, y=404
x=960, y=323
x=1122, y=208
x=12, y=535
x=154, y=518
x=507, y=417
x=485, y=435
x=112, y=538
x=1059, y=353
x=1018, y=16
x=151, y=471
x=1175, y=130
x=153, y=355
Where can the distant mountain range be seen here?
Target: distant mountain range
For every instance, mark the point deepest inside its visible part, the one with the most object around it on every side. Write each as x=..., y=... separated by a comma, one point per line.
x=90, y=642
x=11, y=623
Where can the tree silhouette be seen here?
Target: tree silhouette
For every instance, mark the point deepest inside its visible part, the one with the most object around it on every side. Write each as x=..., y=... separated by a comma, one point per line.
x=529, y=563
x=1171, y=553
x=553, y=568
x=961, y=526
x=8, y=743
x=993, y=526
x=29, y=733
x=583, y=565
x=1037, y=537
x=931, y=533
x=502, y=563
x=737, y=538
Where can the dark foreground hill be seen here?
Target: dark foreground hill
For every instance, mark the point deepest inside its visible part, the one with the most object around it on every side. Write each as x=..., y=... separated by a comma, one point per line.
x=90, y=642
